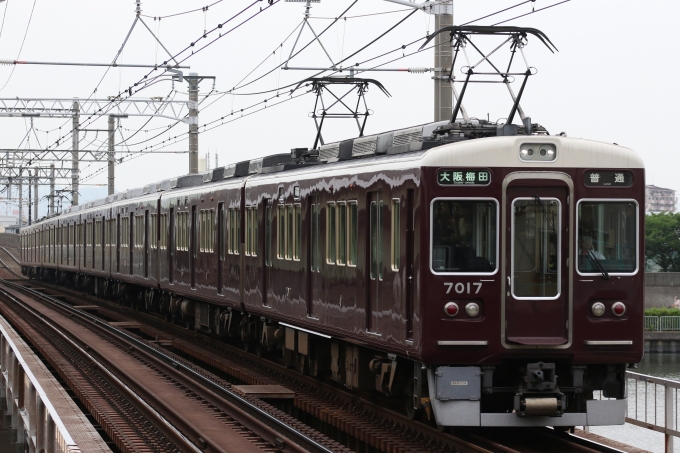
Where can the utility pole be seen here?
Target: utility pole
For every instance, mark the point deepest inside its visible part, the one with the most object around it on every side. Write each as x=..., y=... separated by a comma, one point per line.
x=194, y=79
x=74, y=156
x=51, y=198
x=35, y=194
x=193, y=122
x=443, y=101
x=111, y=155
x=21, y=203
x=443, y=87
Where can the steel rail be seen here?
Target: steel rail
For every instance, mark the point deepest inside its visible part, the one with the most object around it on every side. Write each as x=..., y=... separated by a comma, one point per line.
x=168, y=429
x=299, y=438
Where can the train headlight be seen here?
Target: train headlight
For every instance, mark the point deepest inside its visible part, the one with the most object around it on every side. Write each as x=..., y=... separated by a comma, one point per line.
x=451, y=309
x=618, y=309
x=542, y=152
x=598, y=308
x=472, y=309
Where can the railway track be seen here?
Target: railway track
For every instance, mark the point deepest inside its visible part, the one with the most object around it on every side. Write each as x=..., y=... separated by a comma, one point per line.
x=358, y=422
x=152, y=402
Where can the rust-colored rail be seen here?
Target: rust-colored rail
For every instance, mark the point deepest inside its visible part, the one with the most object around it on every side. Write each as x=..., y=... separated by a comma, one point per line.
x=195, y=416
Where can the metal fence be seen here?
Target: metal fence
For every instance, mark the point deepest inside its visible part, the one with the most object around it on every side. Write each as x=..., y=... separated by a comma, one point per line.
x=653, y=404
x=657, y=323
x=652, y=323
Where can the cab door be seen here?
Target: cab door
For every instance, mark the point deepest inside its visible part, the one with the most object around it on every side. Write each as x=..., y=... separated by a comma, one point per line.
x=537, y=304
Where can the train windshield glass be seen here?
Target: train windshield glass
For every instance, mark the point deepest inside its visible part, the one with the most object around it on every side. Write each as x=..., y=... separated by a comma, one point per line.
x=464, y=236
x=607, y=233
x=536, y=248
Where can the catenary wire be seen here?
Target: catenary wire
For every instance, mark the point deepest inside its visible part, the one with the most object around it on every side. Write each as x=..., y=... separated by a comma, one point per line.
x=204, y=8
x=22, y=42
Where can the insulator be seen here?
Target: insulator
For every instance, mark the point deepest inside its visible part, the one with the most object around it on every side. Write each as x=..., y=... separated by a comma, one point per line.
x=6, y=62
x=418, y=70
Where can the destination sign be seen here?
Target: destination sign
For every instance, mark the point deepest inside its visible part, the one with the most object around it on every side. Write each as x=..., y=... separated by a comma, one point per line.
x=463, y=177
x=598, y=178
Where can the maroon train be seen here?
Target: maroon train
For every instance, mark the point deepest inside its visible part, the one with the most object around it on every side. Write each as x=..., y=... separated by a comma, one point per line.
x=496, y=280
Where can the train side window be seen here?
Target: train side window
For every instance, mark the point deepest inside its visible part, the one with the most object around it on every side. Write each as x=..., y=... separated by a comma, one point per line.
x=268, y=235
x=290, y=237
x=253, y=230
x=396, y=234
x=352, y=233
x=341, y=229
x=152, y=231
x=297, y=240
x=221, y=229
x=330, y=233
x=281, y=232
x=202, y=220
x=234, y=224
x=164, y=231
x=249, y=230
x=210, y=233
x=315, y=252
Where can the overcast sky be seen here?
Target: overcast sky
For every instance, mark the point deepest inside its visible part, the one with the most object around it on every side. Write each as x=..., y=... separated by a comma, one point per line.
x=612, y=79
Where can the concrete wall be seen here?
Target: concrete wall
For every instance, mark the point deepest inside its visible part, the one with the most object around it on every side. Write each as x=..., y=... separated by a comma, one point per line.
x=661, y=288
x=9, y=240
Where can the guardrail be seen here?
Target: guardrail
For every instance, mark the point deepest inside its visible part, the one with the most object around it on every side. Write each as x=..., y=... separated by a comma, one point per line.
x=653, y=404
x=659, y=323
x=35, y=423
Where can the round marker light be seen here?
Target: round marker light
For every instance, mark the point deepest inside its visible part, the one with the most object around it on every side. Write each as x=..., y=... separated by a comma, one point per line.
x=618, y=309
x=530, y=151
x=598, y=308
x=472, y=309
x=543, y=151
x=451, y=309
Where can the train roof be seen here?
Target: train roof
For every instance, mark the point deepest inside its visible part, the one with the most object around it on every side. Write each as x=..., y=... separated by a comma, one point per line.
x=475, y=143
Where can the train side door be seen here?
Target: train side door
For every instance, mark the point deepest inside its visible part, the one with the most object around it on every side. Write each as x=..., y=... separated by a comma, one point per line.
x=146, y=243
x=267, y=255
x=313, y=254
x=171, y=247
x=220, y=246
x=375, y=260
x=193, y=245
x=537, y=308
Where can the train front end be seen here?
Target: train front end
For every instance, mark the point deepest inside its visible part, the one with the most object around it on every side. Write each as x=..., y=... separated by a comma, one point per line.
x=531, y=289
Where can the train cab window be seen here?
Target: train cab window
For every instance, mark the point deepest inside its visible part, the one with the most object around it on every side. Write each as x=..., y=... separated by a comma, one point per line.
x=464, y=236
x=330, y=234
x=396, y=234
x=607, y=237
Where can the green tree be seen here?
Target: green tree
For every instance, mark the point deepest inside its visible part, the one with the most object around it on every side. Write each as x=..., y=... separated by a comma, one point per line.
x=662, y=240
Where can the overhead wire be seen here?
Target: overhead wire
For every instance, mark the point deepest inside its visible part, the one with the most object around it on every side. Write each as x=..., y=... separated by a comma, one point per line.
x=533, y=11
x=203, y=8
x=23, y=41
x=4, y=14
x=120, y=96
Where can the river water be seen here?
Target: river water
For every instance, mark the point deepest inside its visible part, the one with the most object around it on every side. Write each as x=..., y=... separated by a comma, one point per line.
x=660, y=365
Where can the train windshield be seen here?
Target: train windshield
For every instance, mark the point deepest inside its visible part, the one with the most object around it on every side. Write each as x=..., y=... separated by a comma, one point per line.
x=464, y=236
x=607, y=232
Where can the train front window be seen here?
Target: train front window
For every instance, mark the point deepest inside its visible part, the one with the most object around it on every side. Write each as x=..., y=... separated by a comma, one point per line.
x=464, y=235
x=536, y=248
x=607, y=237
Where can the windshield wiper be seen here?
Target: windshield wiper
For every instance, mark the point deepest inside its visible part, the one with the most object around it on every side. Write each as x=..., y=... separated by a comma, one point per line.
x=597, y=264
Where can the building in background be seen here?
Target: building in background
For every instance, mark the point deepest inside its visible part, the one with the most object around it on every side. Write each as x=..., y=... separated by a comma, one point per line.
x=658, y=199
